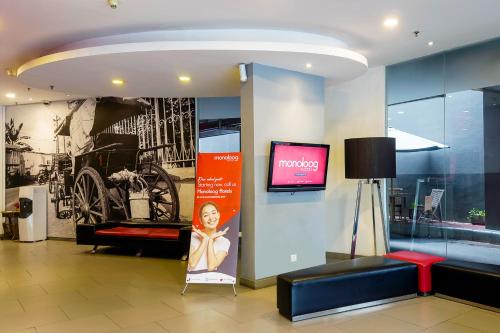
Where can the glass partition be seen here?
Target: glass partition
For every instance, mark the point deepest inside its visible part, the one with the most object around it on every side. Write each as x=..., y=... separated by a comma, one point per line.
x=445, y=197
x=417, y=195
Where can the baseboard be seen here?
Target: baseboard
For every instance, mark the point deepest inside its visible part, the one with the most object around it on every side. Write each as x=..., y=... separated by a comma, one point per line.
x=353, y=307
x=62, y=239
x=459, y=300
x=340, y=256
x=260, y=283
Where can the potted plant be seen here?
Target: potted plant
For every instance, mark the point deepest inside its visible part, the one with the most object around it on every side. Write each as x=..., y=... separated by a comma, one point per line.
x=476, y=216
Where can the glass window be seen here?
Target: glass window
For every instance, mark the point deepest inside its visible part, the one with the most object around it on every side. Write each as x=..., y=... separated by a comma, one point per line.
x=445, y=198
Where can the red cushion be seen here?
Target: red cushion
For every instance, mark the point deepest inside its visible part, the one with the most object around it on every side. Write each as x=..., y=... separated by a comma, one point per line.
x=423, y=261
x=140, y=232
x=164, y=233
x=123, y=231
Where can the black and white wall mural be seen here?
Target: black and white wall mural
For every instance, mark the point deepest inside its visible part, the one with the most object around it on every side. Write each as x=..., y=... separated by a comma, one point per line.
x=104, y=159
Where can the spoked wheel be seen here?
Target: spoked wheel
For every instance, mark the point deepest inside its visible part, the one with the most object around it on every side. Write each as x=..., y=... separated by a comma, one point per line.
x=62, y=203
x=90, y=201
x=163, y=196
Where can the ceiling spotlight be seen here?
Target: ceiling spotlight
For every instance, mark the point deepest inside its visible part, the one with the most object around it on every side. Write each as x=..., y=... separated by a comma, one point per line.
x=184, y=79
x=401, y=112
x=30, y=99
x=466, y=111
x=10, y=95
x=11, y=72
x=67, y=95
x=308, y=65
x=430, y=43
x=113, y=3
x=117, y=82
x=391, y=22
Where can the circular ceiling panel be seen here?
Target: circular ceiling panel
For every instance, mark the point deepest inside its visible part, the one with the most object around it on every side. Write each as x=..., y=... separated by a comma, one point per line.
x=151, y=62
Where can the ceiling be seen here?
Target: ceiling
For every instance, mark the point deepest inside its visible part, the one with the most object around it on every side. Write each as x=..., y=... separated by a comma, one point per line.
x=31, y=28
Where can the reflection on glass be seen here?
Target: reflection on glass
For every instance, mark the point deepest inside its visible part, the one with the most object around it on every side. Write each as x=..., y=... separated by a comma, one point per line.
x=445, y=198
x=417, y=195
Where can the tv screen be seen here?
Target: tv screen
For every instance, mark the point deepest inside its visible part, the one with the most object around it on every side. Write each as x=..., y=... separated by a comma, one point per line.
x=297, y=167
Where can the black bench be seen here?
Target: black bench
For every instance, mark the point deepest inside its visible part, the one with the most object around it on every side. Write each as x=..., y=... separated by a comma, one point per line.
x=343, y=286
x=168, y=238
x=468, y=281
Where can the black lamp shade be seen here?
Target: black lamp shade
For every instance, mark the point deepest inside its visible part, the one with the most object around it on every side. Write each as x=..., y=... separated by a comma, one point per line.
x=367, y=158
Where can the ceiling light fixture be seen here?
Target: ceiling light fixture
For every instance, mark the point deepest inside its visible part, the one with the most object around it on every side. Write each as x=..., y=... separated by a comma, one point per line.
x=430, y=43
x=30, y=99
x=10, y=95
x=391, y=22
x=11, y=72
x=113, y=3
x=184, y=79
x=308, y=65
x=401, y=112
x=466, y=111
x=117, y=82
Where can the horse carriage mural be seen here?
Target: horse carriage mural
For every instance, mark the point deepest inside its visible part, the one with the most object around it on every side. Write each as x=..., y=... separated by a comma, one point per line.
x=116, y=166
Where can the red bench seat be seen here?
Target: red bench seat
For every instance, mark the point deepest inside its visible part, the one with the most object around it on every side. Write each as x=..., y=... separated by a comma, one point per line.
x=165, y=233
x=424, y=263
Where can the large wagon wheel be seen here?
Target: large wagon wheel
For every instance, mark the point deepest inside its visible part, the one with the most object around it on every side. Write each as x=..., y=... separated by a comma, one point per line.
x=163, y=196
x=90, y=200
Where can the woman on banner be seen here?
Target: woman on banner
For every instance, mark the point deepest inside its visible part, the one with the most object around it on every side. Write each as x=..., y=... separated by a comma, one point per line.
x=208, y=247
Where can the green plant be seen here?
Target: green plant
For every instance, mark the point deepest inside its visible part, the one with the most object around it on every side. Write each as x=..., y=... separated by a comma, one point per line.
x=475, y=213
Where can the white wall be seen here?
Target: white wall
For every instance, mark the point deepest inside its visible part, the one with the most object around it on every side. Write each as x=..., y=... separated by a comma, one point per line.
x=288, y=106
x=353, y=109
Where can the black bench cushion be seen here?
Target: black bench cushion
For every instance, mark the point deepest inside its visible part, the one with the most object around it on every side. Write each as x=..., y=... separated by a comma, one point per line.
x=344, y=283
x=470, y=281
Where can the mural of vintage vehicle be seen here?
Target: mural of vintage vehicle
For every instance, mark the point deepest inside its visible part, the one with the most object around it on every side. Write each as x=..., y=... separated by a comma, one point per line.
x=107, y=175
x=61, y=186
x=44, y=174
x=109, y=169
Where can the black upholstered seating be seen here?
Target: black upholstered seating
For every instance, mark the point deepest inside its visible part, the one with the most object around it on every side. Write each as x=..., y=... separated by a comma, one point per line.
x=343, y=286
x=469, y=281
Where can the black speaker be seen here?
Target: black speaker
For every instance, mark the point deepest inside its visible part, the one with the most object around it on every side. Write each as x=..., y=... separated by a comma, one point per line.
x=370, y=158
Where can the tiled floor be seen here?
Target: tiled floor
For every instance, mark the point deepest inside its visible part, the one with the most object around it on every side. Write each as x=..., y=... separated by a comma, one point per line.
x=56, y=286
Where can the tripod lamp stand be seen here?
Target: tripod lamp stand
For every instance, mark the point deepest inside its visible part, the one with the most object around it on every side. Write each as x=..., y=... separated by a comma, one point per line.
x=369, y=160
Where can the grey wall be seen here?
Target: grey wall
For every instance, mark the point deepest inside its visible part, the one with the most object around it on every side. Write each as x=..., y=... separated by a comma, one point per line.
x=471, y=67
x=288, y=106
x=218, y=107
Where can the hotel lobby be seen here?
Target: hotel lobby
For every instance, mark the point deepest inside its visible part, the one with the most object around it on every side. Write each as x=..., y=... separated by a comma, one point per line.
x=280, y=166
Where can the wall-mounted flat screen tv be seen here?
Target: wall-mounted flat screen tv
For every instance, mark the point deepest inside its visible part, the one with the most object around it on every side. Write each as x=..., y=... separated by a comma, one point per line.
x=297, y=167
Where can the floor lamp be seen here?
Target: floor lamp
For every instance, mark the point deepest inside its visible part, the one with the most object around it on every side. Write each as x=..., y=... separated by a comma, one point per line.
x=369, y=160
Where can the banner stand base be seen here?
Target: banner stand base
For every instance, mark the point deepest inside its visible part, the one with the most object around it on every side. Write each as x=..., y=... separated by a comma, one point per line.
x=183, y=292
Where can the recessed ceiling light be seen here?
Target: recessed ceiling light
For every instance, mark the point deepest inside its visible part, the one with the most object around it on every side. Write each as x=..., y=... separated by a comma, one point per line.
x=67, y=95
x=10, y=95
x=401, y=112
x=430, y=43
x=118, y=82
x=464, y=129
x=308, y=65
x=184, y=78
x=391, y=22
x=466, y=111
x=30, y=99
